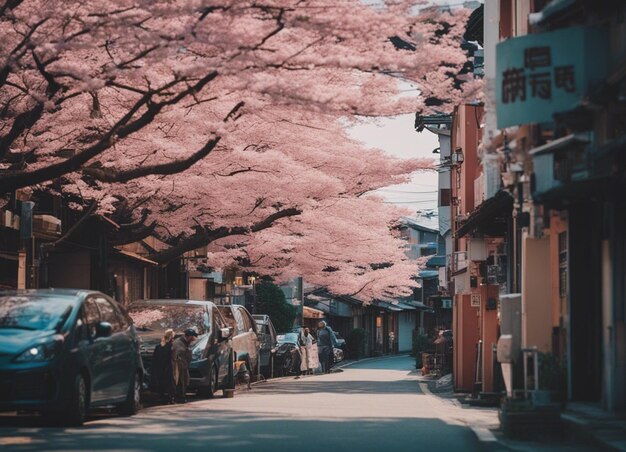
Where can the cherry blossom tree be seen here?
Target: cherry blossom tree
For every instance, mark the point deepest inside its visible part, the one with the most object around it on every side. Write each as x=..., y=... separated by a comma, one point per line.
x=202, y=121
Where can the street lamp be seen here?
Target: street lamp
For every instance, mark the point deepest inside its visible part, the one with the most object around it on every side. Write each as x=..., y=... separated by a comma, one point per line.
x=458, y=157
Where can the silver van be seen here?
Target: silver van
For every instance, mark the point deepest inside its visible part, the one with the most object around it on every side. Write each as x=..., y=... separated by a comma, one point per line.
x=246, y=343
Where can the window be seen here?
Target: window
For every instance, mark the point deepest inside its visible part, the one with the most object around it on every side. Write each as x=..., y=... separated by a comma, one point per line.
x=154, y=317
x=248, y=321
x=107, y=311
x=444, y=197
x=122, y=317
x=89, y=319
x=232, y=319
x=241, y=323
x=218, y=319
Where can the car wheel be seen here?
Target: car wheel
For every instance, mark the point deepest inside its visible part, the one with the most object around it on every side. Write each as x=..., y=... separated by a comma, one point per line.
x=208, y=391
x=287, y=365
x=230, y=383
x=78, y=404
x=133, y=398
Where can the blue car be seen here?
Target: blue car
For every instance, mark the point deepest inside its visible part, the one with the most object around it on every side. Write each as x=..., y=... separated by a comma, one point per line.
x=65, y=351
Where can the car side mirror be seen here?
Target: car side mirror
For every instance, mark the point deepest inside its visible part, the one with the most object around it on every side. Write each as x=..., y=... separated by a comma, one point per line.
x=224, y=333
x=104, y=329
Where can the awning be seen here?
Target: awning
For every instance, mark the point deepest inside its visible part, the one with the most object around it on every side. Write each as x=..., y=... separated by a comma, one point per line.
x=331, y=306
x=386, y=305
x=428, y=274
x=559, y=143
x=420, y=306
x=555, y=8
x=136, y=257
x=501, y=204
x=436, y=262
x=312, y=313
x=406, y=306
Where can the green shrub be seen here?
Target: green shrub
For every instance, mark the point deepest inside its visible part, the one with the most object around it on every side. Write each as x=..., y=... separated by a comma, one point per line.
x=271, y=301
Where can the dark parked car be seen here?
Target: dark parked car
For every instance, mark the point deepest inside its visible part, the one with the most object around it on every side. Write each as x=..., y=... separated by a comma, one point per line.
x=267, y=335
x=341, y=342
x=287, y=356
x=63, y=352
x=211, y=367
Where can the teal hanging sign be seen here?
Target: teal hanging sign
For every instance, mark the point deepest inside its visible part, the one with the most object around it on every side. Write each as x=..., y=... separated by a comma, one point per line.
x=539, y=75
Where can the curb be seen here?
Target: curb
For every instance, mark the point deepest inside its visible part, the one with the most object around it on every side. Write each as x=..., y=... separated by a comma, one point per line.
x=378, y=358
x=582, y=431
x=483, y=433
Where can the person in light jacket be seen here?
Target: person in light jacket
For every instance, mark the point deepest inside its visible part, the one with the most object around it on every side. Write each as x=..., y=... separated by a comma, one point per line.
x=181, y=358
x=305, y=343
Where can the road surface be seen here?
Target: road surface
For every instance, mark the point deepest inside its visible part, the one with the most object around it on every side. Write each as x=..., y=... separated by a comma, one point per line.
x=375, y=405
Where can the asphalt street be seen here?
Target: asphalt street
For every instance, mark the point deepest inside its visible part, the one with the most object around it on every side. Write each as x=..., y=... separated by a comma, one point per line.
x=375, y=405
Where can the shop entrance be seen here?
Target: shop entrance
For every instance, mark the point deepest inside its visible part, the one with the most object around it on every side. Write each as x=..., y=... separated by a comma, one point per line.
x=585, y=303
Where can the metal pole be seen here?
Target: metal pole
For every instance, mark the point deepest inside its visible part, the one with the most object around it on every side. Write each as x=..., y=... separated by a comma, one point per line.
x=536, y=357
x=525, y=355
x=300, y=297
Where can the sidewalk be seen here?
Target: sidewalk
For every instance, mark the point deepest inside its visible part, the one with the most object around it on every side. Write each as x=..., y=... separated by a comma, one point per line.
x=592, y=424
x=485, y=424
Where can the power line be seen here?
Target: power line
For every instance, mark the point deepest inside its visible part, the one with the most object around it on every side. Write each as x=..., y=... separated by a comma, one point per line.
x=410, y=202
x=408, y=192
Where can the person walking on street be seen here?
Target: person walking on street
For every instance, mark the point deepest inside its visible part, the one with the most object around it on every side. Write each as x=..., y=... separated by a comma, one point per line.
x=162, y=369
x=305, y=343
x=181, y=357
x=326, y=340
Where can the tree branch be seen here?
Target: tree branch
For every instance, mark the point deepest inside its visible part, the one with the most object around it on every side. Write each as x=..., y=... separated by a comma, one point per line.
x=205, y=237
x=14, y=180
x=176, y=166
x=127, y=235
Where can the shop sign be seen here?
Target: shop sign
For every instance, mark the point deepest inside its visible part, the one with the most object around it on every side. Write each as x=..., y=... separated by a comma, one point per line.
x=541, y=74
x=475, y=300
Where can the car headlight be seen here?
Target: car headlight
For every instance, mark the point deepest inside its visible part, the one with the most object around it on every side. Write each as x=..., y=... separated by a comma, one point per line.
x=196, y=354
x=38, y=353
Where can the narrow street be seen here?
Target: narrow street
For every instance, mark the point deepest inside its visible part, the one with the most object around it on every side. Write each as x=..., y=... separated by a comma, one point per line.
x=375, y=405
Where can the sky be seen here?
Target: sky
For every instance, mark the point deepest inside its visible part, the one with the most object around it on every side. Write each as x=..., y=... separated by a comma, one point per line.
x=398, y=138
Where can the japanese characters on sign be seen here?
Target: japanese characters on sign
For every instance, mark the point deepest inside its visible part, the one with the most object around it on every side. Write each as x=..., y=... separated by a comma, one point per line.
x=542, y=74
x=539, y=78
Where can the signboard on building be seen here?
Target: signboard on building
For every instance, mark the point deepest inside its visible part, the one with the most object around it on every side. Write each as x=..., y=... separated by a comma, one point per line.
x=475, y=300
x=542, y=74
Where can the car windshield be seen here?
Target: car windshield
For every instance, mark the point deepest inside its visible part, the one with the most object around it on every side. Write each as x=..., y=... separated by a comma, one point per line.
x=289, y=338
x=34, y=312
x=161, y=317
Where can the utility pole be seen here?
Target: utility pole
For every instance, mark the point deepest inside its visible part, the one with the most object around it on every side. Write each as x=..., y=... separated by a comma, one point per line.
x=300, y=298
x=26, y=256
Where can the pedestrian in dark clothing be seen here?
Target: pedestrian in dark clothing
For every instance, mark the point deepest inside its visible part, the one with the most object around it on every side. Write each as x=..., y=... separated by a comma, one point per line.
x=181, y=357
x=162, y=370
x=326, y=341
